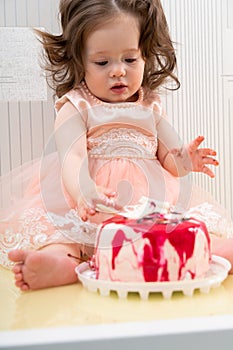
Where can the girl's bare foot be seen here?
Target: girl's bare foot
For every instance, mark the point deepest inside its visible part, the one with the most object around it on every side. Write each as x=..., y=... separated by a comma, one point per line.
x=43, y=268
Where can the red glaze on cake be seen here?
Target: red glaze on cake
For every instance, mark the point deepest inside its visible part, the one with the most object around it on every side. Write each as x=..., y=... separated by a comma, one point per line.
x=151, y=249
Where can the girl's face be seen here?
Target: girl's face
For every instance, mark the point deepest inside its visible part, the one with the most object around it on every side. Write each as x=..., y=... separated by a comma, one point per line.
x=114, y=65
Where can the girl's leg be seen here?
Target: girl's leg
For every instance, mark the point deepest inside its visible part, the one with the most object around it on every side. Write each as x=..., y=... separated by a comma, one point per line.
x=48, y=267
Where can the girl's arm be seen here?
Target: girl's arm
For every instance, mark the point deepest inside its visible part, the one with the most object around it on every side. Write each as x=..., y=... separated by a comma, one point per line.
x=70, y=136
x=180, y=159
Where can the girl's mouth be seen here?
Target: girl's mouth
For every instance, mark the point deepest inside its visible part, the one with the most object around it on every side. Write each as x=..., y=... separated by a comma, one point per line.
x=119, y=89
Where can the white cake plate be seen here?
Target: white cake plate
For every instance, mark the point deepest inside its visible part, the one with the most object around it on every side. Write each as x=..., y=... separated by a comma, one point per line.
x=217, y=273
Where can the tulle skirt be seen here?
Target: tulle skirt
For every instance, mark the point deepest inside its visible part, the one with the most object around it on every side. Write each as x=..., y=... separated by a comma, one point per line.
x=36, y=210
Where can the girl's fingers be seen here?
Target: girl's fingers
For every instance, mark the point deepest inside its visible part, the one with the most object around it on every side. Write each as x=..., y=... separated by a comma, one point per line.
x=104, y=197
x=193, y=146
x=208, y=171
x=83, y=215
x=206, y=152
x=91, y=211
x=211, y=161
x=82, y=212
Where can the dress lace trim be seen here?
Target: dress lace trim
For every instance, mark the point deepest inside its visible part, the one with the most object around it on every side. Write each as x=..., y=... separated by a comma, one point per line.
x=216, y=224
x=36, y=228
x=123, y=143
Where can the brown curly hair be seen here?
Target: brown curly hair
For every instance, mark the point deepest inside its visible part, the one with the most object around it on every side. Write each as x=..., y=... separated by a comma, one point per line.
x=63, y=54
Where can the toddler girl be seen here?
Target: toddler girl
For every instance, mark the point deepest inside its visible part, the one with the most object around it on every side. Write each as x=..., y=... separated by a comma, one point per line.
x=114, y=143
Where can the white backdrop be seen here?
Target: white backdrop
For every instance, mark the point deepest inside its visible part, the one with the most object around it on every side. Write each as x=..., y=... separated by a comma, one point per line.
x=203, y=32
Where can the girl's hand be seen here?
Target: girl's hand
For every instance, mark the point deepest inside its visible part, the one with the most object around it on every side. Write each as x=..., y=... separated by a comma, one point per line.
x=200, y=157
x=88, y=203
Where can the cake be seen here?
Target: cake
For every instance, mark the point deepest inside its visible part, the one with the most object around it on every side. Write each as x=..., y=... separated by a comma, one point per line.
x=155, y=247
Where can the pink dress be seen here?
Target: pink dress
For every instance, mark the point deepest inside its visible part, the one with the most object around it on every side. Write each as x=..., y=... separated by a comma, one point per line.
x=122, y=144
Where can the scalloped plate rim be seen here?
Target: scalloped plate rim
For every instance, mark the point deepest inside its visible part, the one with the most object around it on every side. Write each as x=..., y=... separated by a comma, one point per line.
x=171, y=286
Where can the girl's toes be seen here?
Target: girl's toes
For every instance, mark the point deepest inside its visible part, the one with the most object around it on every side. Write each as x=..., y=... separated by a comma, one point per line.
x=22, y=285
x=25, y=287
x=17, y=268
x=17, y=255
x=19, y=276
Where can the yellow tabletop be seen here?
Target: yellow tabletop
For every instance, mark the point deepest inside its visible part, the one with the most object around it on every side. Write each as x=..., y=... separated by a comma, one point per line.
x=73, y=305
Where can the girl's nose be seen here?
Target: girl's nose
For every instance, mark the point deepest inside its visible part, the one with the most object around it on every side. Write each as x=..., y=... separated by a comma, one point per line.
x=118, y=70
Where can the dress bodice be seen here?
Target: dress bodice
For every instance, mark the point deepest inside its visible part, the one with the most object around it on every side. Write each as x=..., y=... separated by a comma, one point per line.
x=127, y=129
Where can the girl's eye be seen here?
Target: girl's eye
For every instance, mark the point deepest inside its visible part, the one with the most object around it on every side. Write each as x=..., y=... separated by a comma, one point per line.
x=130, y=60
x=101, y=63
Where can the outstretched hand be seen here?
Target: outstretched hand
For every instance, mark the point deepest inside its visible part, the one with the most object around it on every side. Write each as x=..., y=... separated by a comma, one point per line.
x=98, y=197
x=200, y=158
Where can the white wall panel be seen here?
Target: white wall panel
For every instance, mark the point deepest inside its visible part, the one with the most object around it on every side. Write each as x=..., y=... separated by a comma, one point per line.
x=227, y=120
x=227, y=37
x=201, y=30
